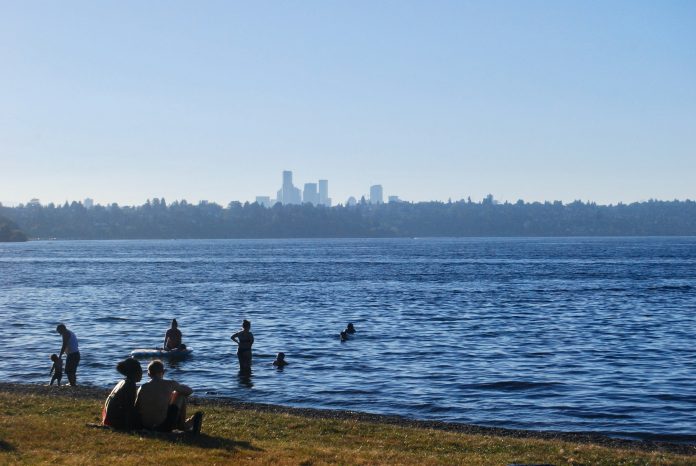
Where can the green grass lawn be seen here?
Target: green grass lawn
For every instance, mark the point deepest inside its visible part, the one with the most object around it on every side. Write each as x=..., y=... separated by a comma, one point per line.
x=53, y=428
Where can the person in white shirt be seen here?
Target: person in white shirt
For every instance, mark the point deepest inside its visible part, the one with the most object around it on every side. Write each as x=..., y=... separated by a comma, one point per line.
x=72, y=351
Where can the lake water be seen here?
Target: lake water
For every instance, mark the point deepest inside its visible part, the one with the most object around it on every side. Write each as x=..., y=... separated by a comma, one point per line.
x=573, y=334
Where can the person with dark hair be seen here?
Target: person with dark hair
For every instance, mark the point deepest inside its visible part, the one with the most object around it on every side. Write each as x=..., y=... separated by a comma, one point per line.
x=56, y=369
x=119, y=410
x=161, y=403
x=350, y=329
x=280, y=361
x=172, y=339
x=244, y=339
x=72, y=351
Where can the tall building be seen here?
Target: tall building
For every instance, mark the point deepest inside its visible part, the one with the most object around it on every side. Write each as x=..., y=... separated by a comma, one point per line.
x=263, y=201
x=376, y=195
x=288, y=193
x=324, y=198
x=393, y=199
x=310, y=194
x=88, y=203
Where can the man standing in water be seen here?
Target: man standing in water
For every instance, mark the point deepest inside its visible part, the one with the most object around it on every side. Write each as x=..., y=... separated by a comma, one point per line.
x=244, y=340
x=72, y=351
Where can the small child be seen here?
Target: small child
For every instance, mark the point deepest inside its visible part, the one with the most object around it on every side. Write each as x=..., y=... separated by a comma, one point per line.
x=280, y=360
x=57, y=369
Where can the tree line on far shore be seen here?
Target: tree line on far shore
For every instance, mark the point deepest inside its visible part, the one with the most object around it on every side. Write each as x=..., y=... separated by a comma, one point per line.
x=9, y=232
x=181, y=220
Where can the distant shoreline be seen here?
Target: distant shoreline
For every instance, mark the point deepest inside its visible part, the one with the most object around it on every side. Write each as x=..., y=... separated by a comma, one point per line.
x=95, y=393
x=159, y=220
x=308, y=238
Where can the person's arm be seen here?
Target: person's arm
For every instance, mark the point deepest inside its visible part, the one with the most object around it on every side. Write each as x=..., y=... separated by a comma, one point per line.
x=251, y=340
x=183, y=389
x=167, y=339
x=129, y=403
x=234, y=337
x=64, y=348
x=53, y=368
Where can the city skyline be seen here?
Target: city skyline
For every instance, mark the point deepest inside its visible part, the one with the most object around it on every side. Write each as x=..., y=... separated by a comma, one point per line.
x=527, y=100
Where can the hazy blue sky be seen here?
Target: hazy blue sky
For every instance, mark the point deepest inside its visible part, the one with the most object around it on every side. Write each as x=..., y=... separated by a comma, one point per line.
x=125, y=101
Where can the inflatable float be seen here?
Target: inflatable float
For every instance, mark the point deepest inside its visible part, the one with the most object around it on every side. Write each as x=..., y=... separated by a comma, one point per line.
x=160, y=353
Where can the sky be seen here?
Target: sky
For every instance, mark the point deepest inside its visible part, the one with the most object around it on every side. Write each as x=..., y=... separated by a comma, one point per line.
x=124, y=101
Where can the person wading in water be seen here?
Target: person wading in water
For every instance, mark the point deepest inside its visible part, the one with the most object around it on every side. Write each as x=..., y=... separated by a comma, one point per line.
x=244, y=340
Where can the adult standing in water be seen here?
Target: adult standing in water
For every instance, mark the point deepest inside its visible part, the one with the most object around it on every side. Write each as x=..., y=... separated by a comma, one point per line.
x=244, y=340
x=172, y=339
x=72, y=351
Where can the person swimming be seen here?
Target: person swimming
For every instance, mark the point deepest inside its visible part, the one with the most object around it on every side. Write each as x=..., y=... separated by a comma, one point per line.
x=280, y=360
x=344, y=336
x=350, y=329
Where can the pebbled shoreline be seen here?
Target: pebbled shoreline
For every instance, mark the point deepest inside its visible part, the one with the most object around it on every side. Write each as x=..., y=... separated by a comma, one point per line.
x=96, y=393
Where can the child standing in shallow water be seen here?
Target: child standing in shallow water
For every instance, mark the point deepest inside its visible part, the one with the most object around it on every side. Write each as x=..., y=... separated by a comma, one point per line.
x=57, y=369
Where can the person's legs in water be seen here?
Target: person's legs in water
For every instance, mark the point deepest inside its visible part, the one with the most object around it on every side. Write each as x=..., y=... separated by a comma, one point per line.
x=240, y=358
x=245, y=361
x=71, y=363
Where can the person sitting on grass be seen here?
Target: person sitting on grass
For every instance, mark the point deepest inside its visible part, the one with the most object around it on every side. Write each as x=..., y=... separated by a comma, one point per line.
x=119, y=410
x=161, y=403
x=172, y=339
x=280, y=360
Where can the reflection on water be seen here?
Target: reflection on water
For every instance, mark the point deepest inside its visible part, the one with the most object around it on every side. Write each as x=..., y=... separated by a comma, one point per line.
x=569, y=334
x=245, y=380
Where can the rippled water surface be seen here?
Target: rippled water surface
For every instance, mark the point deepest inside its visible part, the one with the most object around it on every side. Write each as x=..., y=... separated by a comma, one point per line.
x=566, y=334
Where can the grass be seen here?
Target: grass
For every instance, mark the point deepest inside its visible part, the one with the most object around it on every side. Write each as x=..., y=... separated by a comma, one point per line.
x=53, y=428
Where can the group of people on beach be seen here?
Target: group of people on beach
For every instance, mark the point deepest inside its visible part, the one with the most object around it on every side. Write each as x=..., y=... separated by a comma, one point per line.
x=158, y=404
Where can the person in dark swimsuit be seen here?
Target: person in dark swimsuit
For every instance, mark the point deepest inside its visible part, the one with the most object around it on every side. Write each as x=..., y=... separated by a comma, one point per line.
x=244, y=340
x=172, y=339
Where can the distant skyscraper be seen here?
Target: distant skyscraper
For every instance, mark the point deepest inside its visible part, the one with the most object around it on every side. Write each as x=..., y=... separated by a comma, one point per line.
x=264, y=201
x=310, y=194
x=289, y=194
x=376, y=196
x=394, y=199
x=88, y=203
x=324, y=198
